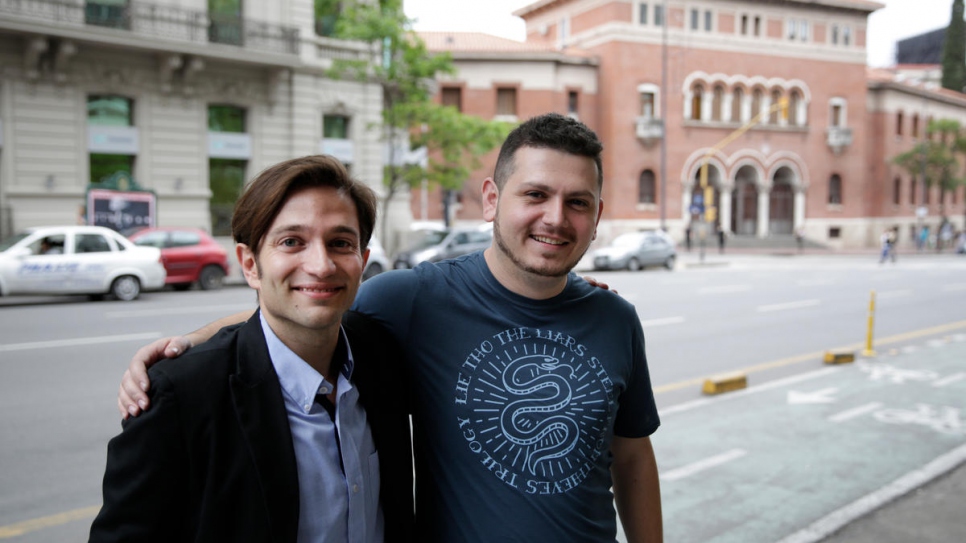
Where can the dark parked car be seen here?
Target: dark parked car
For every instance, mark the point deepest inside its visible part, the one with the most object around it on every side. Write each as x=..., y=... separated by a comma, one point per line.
x=442, y=244
x=634, y=251
x=189, y=255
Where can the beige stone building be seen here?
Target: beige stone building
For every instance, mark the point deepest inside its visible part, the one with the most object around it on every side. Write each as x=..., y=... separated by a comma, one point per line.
x=190, y=97
x=664, y=99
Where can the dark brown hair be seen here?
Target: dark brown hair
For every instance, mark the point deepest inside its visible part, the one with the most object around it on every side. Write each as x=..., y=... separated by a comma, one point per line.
x=268, y=192
x=549, y=131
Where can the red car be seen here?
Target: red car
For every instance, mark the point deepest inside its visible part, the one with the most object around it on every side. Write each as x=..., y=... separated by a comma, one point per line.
x=189, y=255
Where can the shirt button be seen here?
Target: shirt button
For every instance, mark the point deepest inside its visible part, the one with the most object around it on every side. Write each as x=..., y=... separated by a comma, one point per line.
x=355, y=489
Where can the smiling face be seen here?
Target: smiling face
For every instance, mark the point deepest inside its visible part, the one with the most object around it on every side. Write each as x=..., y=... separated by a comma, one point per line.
x=544, y=219
x=308, y=266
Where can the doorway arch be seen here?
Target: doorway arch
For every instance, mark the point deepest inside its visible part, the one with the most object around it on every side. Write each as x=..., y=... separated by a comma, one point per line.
x=781, y=202
x=744, y=202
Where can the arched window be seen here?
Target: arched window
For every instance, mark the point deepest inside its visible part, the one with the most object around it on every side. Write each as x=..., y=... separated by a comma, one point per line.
x=647, y=189
x=899, y=123
x=776, y=95
x=697, y=96
x=896, y=190
x=737, y=99
x=915, y=126
x=794, y=101
x=717, y=100
x=835, y=189
x=756, y=98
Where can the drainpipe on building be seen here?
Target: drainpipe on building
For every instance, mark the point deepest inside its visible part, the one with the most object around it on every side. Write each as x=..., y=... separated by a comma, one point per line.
x=663, y=198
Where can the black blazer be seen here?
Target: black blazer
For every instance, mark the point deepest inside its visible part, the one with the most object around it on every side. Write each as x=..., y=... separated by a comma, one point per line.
x=213, y=460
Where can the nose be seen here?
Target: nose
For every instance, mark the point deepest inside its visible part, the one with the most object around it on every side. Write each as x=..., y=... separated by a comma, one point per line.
x=555, y=212
x=317, y=261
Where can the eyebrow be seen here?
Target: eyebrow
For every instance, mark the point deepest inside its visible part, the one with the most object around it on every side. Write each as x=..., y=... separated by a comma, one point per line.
x=529, y=185
x=298, y=228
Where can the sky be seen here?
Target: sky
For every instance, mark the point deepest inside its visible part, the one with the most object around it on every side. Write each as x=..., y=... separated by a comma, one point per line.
x=899, y=19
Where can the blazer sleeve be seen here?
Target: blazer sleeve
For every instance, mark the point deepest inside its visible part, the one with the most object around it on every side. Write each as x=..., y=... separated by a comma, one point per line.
x=145, y=485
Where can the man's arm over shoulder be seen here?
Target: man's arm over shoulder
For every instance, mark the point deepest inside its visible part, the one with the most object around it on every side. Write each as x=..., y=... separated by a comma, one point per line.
x=145, y=486
x=389, y=298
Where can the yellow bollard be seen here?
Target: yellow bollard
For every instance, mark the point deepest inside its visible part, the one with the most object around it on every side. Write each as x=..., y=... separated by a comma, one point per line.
x=868, y=351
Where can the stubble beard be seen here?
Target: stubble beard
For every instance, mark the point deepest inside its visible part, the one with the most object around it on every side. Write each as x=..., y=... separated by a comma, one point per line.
x=556, y=271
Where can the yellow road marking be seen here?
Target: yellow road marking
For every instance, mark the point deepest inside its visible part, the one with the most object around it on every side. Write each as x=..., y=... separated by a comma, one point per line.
x=20, y=528
x=819, y=355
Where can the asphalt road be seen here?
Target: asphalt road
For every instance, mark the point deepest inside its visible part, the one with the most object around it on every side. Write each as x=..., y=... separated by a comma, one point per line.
x=752, y=466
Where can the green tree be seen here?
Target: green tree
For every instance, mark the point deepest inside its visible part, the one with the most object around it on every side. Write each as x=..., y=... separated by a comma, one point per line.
x=407, y=74
x=954, y=50
x=935, y=158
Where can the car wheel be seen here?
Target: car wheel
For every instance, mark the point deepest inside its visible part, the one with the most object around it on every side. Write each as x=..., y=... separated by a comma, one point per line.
x=633, y=264
x=373, y=270
x=126, y=288
x=669, y=263
x=211, y=278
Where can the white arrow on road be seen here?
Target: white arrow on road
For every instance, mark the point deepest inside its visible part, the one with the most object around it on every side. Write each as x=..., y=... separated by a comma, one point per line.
x=818, y=396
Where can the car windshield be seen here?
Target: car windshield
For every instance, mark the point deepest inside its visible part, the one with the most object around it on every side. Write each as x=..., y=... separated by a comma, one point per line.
x=627, y=240
x=12, y=240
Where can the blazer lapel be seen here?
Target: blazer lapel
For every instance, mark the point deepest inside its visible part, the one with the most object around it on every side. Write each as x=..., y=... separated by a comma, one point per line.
x=258, y=403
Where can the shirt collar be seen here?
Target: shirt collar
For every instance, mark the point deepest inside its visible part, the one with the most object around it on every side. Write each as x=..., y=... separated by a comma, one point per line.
x=298, y=379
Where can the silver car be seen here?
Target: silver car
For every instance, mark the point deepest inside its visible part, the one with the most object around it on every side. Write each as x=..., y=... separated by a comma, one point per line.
x=443, y=244
x=78, y=260
x=634, y=251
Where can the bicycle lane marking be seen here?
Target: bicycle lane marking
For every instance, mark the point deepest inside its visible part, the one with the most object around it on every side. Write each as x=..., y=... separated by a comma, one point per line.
x=883, y=419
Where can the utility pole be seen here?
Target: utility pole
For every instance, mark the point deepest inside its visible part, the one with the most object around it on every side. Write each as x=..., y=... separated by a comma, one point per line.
x=663, y=196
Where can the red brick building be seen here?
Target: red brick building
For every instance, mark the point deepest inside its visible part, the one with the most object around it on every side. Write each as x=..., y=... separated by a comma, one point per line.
x=665, y=98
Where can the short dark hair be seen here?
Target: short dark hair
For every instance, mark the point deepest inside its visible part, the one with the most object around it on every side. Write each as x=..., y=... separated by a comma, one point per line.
x=549, y=131
x=268, y=192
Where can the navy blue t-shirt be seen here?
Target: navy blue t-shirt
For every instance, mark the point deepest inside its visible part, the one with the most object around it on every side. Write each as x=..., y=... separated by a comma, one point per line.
x=515, y=401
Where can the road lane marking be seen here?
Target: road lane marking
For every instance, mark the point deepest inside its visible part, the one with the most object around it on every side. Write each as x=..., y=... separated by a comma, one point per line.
x=723, y=289
x=788, y=305
x=949, y=380
x=817, y=396
x=687, y=406
x=855, y=412
x=662, y=322
x=20, y=528
x=814, y=282
x=811, y=357
x=50, y=344
x=703, y=465
x=833, y=522
x=233, y=308
x=893, y=294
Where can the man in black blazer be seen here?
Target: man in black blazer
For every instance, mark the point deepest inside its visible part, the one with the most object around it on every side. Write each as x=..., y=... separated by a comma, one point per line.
x=231, y=451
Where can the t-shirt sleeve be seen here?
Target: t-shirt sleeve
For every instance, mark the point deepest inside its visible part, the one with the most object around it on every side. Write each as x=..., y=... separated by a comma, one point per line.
x=388, y=298
x=637, y=413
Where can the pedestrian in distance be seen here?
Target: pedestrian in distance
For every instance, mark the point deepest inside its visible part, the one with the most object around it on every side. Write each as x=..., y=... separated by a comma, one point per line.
x=488, y=333
x=721, y=238
x=887, y=242
x=289, y=427
x=800, y=238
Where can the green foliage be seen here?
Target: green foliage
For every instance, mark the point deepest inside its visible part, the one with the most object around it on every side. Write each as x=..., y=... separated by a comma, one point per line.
x=407, y=73
x=935, y=157
x=954, y=50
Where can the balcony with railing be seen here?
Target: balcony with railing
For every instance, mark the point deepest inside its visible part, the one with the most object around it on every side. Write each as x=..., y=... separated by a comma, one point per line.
x=649, y=129
x=838, y=138
x=144, y=19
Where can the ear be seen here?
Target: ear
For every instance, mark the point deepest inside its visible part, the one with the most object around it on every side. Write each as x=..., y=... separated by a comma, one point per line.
x=600, y=213
x=365, y=259
x=246, y=258
x=491, y=196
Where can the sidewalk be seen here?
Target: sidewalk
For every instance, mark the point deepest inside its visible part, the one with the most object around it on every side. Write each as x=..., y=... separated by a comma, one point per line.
x=932, y=509
x=932, y=513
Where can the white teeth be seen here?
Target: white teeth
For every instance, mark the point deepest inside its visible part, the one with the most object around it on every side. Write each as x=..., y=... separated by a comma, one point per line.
x=548, y=240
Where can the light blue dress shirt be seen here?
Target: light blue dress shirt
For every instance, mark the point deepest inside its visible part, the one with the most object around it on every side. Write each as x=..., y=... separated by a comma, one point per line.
x=333, y=507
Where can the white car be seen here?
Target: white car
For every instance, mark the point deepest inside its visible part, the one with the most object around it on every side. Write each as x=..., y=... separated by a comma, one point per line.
x=378, y=261
x=78, y=260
